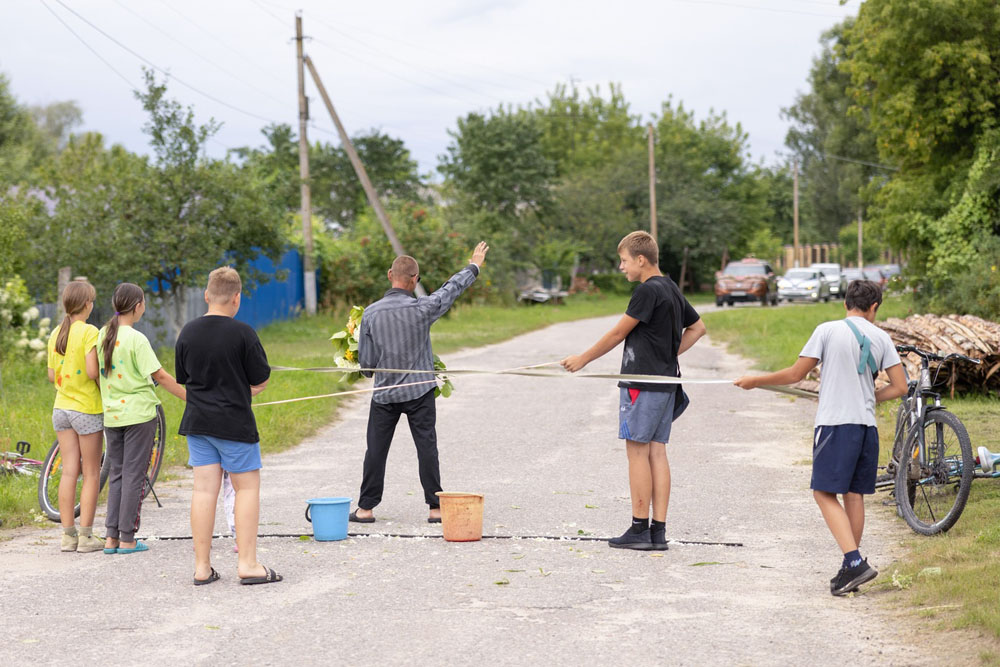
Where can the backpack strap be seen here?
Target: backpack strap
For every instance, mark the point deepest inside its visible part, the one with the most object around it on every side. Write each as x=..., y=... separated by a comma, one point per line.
x=867, y=359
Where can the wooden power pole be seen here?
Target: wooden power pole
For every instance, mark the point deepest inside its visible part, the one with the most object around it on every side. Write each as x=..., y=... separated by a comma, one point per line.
x=359, y=169
x=861, y=264
x=308, y=268
x=652, y=185
x=795, y=210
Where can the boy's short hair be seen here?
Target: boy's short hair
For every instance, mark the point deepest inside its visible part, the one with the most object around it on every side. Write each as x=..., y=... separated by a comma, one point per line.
x=862, y=294
x=404, y=265
x=223, y=284
x=641, y=243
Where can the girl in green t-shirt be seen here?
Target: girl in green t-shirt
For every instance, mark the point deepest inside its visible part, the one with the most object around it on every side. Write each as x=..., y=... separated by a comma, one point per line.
x=77, y=414
x=128, y=369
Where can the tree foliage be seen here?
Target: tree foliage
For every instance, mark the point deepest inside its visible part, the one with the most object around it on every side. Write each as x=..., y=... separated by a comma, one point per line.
x=925, y=73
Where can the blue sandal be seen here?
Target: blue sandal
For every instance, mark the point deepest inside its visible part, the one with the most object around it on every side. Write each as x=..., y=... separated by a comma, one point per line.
x=139, y=546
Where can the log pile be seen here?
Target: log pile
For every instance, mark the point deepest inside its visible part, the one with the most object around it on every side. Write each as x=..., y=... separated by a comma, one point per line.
x=965, y=334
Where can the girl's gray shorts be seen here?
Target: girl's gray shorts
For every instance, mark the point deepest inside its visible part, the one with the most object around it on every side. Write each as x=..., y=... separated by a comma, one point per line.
x=82, y=423
x=649, y=418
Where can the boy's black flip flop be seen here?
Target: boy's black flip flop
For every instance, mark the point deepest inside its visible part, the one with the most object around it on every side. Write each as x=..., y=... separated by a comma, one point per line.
x=356, y=519
x=214, y=576
x=431, y=519
x=271, y=577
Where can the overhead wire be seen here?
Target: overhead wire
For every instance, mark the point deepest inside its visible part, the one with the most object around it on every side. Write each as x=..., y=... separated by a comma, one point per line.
x=89, y=47
x=161, y=69
x=198, y=53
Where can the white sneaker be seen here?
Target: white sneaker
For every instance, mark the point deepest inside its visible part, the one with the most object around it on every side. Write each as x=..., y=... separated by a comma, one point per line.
x=986, y=461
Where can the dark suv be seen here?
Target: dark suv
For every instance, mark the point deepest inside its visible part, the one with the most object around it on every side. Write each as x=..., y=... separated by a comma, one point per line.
x=746, y=280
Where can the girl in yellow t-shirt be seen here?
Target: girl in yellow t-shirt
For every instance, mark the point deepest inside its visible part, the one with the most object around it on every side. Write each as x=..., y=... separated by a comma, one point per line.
x=77, y=414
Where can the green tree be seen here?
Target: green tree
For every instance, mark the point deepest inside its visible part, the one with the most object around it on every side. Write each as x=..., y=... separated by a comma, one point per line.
x=925, y=73
x=498, y=163
x=831, y=139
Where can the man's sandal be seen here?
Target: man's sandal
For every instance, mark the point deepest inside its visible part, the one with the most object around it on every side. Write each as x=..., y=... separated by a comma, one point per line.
x=271, y=577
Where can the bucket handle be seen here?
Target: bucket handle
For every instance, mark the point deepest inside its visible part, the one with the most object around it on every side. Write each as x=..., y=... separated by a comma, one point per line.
x=308, y=518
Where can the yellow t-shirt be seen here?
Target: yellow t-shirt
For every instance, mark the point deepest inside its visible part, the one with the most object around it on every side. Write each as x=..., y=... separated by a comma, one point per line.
x=74, y=390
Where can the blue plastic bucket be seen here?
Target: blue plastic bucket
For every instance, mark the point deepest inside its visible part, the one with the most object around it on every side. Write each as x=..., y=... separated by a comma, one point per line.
x=328, y=517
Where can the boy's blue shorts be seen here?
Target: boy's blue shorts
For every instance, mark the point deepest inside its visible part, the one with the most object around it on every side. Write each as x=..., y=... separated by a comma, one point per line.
x=234, y=457
x=845, y=458
x=648, y=418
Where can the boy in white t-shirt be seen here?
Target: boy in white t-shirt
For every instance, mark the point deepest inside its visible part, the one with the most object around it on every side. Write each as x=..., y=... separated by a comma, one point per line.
x=845, y=440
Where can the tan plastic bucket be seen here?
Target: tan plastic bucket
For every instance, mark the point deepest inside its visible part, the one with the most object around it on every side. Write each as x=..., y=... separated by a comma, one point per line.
x=461, y=516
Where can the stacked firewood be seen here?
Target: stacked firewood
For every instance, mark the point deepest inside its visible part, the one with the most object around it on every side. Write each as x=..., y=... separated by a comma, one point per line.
x=965, y=334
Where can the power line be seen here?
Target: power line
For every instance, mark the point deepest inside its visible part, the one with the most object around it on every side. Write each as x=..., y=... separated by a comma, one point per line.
x=854, y=161
x=757, y=8
x=162, y=70
x=197, y=53
x=89, y=47
x=220, y=41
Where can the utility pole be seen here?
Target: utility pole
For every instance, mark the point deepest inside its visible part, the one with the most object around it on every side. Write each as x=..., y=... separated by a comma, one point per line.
x=652, y=185
x=308, y=269
x=795, y=209
x=359, y=169
x=861, y=264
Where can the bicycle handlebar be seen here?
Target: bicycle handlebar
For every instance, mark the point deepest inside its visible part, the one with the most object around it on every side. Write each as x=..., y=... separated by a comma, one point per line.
x=930, y=356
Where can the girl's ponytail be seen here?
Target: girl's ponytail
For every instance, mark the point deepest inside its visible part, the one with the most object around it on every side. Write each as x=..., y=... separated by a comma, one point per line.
x=124, y=300
x=75, y=298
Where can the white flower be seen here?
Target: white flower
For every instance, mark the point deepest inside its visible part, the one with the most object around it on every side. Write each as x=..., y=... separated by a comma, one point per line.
x=21, y=342
x=36, y=344
x=43, y=332
x=4, y=296
x=41, y=356
x=45, y=322
x=30, y=314
x=5, y=314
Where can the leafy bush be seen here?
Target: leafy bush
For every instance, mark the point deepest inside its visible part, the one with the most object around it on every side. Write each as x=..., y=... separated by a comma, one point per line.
x=18, y=332
x=353, y=268
x=611, y=283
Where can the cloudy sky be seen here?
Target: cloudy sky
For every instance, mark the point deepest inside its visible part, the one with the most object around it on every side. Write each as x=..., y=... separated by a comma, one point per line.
x=411, y=68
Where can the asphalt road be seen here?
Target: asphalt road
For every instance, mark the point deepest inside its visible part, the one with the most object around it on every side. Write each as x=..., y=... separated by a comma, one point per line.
x=545, y=454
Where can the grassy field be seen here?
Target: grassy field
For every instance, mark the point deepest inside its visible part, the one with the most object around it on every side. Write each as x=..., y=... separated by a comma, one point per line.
x=26, y=396
x=951, y=579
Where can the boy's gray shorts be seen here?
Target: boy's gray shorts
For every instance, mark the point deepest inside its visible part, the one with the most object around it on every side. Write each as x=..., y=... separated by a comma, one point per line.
x=649, y=419
x=81, y=422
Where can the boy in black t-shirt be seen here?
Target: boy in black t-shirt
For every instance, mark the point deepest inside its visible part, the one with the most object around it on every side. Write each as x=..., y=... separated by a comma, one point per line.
x=222, y=365
x=658, y=325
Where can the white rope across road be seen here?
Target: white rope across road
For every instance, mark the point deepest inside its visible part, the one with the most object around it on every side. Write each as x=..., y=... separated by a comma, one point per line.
x=529, y=371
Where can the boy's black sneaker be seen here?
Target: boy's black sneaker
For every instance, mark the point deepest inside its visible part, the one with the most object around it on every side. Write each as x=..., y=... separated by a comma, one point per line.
x=850, y=578
x=659, y=539
x=629, y=540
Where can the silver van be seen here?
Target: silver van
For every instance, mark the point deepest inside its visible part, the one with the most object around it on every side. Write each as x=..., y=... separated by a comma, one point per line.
x=834, y=277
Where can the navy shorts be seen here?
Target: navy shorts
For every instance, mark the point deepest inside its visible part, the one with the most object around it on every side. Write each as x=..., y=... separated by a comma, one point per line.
x=845, y=458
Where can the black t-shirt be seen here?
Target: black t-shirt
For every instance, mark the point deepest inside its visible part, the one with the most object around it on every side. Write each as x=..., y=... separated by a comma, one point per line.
x=218, y=359
x=651, y=347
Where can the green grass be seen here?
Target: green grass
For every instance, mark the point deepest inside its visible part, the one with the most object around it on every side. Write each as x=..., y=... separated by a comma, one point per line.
x=965, y=594
x=773, y=338
x=26, y=395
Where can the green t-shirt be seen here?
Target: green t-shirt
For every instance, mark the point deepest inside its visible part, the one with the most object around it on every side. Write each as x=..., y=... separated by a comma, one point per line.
x=74, y=390
x=126, y=389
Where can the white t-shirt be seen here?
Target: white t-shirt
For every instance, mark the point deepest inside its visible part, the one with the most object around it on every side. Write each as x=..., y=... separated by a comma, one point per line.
x=846, y=396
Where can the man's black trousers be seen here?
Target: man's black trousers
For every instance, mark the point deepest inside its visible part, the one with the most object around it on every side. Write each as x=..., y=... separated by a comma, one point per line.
x=382, y=419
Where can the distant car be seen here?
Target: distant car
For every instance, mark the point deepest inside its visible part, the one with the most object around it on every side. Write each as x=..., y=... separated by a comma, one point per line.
x=805, y=284
x=875, y=275
x=833, y=277
x=890, y=271
x=850, y=275
x=746, y=280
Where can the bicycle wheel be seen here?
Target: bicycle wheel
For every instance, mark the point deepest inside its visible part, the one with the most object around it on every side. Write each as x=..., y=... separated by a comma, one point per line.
x=932, y=492
x=888, y=478
x=155, y=456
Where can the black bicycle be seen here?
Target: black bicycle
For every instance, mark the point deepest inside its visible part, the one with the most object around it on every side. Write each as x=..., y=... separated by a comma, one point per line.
x=932, y=463
x=52, y=470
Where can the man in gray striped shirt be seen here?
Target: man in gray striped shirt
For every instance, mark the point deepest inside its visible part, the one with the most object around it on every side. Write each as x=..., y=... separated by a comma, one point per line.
x=395, y=333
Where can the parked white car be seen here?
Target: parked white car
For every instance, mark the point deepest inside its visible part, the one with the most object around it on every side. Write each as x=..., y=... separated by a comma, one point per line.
x=834, y=277
x=804, y=284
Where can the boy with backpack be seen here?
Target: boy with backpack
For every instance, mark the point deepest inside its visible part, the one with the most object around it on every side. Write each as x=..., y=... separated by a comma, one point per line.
x=845, y=439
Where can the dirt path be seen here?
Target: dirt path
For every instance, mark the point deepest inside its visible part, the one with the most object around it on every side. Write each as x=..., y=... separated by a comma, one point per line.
x=545, y=454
